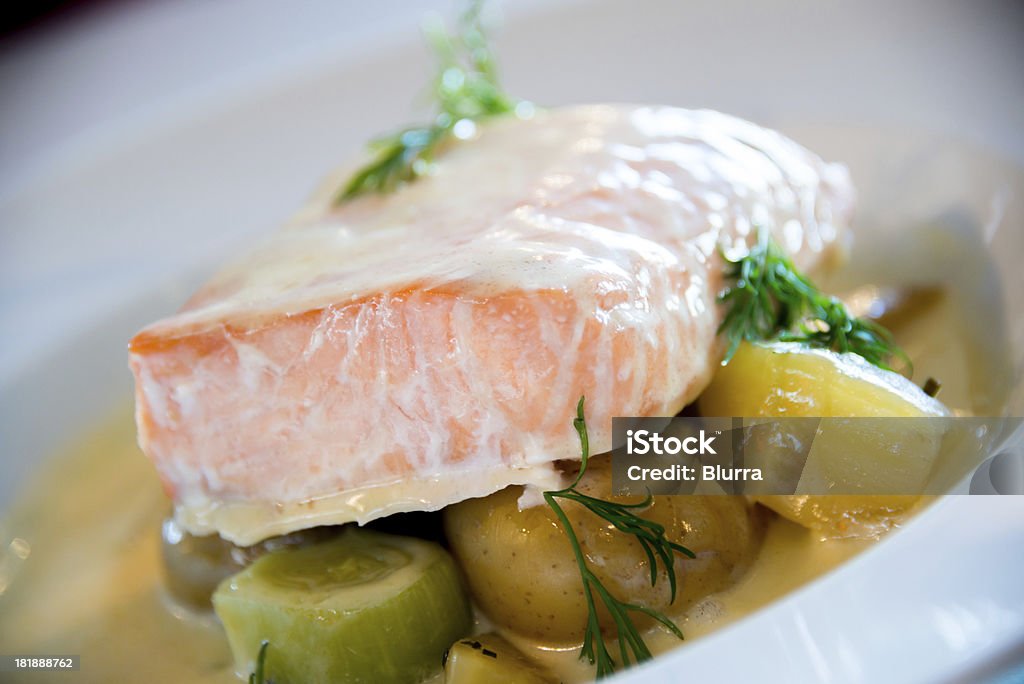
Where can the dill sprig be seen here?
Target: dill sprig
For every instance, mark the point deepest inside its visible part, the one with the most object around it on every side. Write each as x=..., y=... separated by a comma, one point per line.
x=651, y=536
x=769, y=299
x=467, y=91
x=257, y=675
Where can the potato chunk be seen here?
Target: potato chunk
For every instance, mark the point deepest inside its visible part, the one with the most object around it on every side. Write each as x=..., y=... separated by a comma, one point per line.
x=486, y=659
x=523, y=575
x=789, y=380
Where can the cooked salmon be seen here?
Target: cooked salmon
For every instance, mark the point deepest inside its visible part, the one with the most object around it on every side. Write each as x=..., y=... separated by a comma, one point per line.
x=407, y=351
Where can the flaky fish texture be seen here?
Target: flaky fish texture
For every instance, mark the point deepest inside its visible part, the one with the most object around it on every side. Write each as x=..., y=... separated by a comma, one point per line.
x=408, y=351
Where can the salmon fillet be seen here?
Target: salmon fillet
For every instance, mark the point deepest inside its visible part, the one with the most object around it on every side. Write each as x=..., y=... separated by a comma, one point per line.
x=408, y=351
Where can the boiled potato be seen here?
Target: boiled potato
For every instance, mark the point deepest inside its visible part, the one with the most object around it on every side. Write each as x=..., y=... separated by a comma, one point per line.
x=840, y=516
x=789, y=380
x=489, y=659
x=523, y=574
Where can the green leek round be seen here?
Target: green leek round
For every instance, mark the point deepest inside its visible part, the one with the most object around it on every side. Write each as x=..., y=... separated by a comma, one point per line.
x=364, y=607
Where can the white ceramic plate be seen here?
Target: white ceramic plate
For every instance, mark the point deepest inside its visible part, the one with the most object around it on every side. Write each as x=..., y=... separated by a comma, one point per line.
x=110, y=228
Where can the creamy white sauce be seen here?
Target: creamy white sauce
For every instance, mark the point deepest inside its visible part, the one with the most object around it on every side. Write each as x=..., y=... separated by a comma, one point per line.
x=498, y=212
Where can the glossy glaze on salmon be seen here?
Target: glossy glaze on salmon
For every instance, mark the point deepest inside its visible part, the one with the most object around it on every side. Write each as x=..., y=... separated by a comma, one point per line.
x=407, y=351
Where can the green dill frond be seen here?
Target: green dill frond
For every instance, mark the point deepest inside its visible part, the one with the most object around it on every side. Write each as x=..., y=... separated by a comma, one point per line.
x=466, y=90
x=769, y=299
x=658, y=549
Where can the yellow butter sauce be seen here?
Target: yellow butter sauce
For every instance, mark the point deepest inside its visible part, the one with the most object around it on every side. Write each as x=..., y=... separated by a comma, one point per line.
x=91, y=582
x=790, y=556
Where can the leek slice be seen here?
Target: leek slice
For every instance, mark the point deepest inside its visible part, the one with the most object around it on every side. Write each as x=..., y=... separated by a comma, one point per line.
x=364, y=607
